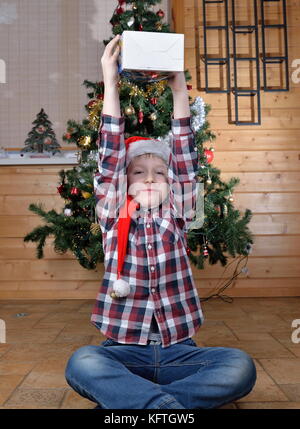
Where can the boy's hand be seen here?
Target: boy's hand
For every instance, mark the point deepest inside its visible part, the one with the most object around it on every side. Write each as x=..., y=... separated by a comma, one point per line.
x=177, y=82
x=109, y=62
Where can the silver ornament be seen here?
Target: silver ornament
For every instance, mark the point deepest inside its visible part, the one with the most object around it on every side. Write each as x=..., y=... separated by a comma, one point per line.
x=130, y=22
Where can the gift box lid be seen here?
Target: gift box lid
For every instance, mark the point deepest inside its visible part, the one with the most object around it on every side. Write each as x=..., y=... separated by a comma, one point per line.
x=145, y=50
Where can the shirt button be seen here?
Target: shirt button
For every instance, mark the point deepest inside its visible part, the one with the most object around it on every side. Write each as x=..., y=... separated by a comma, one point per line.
x=153, y=290
x=152, y=268
x=100, y=149
x=148, y=225
x=149, y=246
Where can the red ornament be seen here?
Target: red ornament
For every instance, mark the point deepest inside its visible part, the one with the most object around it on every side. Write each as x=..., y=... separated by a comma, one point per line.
x=75, y=191
x=209, y=155
x=92, y=103
x=48, y=140
x=41, y=129
x=141, y=116
x=188, y=251
x=141, y=27
x=189, y=87
x=205, y=251
x=153, y=100
x=100, y=96
x=160, y=13
x=120, y=10
x=61, y=189
x=68, y=136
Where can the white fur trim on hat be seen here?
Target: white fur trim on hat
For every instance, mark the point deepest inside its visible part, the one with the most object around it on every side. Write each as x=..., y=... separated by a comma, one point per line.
x=141, y=147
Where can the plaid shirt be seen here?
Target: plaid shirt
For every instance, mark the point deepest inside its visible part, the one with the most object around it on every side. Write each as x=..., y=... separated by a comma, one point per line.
x=156, y=264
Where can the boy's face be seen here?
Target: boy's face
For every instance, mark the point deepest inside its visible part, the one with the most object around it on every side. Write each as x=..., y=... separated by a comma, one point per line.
x=147, y=178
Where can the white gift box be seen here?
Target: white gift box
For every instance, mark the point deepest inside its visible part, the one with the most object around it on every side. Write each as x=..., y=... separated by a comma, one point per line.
x=145, y=52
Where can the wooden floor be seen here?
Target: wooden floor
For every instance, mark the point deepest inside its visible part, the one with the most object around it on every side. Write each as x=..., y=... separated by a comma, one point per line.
x=38, y=345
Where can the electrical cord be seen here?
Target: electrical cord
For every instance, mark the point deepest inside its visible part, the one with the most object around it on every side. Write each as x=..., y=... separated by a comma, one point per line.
x=218, y=294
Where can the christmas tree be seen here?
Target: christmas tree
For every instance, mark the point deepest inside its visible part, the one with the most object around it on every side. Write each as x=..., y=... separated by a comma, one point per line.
x=147, y=109
x=42, y=137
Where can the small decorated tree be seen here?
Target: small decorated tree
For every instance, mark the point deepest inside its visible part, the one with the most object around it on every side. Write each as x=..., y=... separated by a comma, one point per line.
x=42, y=137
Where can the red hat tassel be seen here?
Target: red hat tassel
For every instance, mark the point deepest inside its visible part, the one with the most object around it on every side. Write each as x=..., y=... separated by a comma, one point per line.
x=120, y=287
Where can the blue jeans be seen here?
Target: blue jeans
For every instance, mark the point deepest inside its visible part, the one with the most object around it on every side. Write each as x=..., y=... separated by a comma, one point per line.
x=182, y=376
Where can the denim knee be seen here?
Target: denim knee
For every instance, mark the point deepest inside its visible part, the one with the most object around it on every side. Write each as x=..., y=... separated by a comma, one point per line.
x=79, y=361
x=243, y=371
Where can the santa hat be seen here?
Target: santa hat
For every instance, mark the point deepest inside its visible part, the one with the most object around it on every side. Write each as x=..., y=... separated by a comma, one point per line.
x=135, y=146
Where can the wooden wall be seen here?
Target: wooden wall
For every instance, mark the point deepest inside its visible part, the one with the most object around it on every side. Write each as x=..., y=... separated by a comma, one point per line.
x=266, y=158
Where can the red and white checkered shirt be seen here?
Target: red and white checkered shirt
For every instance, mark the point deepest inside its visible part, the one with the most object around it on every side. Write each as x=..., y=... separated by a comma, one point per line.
x=156, y=264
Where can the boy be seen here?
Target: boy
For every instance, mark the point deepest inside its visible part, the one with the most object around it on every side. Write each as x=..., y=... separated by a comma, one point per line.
x=148, y=307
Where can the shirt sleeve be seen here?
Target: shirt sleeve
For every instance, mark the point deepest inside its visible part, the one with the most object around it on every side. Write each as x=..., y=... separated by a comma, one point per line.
x=110, y=180
x=183, y=170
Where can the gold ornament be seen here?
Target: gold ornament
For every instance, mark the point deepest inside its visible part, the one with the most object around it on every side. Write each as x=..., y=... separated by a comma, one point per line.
x=153, y=116
x=129, y=110
x=85, y=141
x=209, y=181
x=231, y=199
x=95, y=228
x=86, y=194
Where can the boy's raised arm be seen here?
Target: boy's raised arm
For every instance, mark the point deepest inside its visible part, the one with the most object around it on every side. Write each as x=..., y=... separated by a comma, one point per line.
x=111, y=104
x=184, y=156
x=110, y=180
x=181, y=107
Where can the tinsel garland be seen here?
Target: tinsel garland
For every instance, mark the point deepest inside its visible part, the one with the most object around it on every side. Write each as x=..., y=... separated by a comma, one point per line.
x=197, y=121
x=198, y=118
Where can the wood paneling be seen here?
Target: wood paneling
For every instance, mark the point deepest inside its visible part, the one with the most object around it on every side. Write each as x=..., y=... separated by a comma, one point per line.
x=266, y=158
x=62, y=269
x=283, y=224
